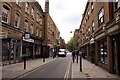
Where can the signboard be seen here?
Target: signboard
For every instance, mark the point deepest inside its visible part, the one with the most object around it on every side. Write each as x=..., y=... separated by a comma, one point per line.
x=27, y=36
x=28, y=40
x=92, y=41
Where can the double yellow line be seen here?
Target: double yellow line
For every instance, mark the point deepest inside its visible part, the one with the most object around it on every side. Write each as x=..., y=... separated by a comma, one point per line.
x=67, y=71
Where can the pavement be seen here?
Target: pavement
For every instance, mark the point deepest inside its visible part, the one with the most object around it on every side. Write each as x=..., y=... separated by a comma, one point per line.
x=17, y=70
x=91, y=71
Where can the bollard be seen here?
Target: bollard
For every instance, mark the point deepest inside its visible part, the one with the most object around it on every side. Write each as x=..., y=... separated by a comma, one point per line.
x=44, y=59
x=80, y=63
x=24, y=62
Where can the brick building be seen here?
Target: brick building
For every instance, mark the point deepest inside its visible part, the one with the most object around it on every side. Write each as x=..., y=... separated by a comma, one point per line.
x=52, y=33
x=99, y=34
x=21, y=30
x=76, y=37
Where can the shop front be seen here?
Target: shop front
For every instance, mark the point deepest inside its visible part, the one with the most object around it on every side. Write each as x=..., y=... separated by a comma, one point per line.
x=28, y=48
x=38, y=48
x=11, y=46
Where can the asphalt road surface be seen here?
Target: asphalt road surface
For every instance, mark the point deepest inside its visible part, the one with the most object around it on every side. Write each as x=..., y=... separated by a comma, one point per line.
x=54, y=69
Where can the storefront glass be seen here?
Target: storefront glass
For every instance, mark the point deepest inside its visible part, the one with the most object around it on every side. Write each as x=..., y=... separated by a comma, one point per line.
x=103, y=51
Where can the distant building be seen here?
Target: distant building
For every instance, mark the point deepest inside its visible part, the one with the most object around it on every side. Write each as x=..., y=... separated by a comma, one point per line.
x=76, y=37
x=99, y=34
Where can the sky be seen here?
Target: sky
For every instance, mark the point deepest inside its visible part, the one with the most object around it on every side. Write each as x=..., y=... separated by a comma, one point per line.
x=66, y=14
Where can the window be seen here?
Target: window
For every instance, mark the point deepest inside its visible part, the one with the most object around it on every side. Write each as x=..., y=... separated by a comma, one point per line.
x=117, y=4
x=37, y=17
x=88, y=13
x=49, y=24
x=5, y=14
x=40, y=20
x=27, y=7
x=92, y=6
x=18, y=2
x=26, y=26
x=93, y=26
x=36, y=31
x=32, y=12
x=17, y=20
x=101, y=17
x=31, y=28
x=40, y=31
x=88, y=31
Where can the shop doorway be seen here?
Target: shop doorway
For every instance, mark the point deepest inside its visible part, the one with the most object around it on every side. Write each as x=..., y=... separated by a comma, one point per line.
x=116, y=53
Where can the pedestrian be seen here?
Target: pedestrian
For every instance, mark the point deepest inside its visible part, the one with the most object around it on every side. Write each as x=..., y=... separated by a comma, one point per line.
x=73, y=55
x=77, y=53
x=53, y=53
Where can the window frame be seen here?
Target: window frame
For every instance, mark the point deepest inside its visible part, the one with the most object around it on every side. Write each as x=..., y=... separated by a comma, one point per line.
x=93, y=26
x=27, y=7
x=101, y=16
x=32, y=28
x=18, y=2
x=18, y=21
x=6, y=13
x=26, y=25
x=32, y=12
x=37, y=31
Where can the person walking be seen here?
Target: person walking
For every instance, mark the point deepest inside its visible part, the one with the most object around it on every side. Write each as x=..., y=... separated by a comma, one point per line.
x=77, y=53
x=73, y=55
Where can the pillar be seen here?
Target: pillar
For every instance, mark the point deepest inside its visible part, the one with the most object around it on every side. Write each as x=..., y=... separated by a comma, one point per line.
x=109, y=54
x=96, y=53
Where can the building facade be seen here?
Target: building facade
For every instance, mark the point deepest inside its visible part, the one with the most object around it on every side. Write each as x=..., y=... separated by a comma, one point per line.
x=21, y=30
x=99, y=34
x=52, y=33
x=76, y=37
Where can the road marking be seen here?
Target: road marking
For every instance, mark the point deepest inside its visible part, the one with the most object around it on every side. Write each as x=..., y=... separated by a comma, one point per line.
x=67, y=71
x=33, y=70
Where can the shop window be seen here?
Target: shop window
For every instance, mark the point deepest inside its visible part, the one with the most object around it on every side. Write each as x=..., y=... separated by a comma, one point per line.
x=5, y=14
x=17, y=20
x=101, y=16
x=103, y=51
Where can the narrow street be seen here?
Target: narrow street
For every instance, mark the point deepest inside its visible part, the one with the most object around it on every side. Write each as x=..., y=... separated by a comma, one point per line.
x=55, y=69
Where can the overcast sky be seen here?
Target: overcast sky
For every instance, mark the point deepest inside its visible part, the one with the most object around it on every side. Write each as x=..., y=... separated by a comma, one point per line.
x=66, y=14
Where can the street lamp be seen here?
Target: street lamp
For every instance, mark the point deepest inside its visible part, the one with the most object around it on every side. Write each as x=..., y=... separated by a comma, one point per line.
x=24, y=37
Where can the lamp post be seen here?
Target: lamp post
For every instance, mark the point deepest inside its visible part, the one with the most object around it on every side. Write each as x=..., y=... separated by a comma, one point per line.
x=25, y=36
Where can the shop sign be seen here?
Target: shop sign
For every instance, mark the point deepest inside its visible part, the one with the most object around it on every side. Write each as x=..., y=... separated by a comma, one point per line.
x=92, y=41
x=28, y=40
x=27, y=36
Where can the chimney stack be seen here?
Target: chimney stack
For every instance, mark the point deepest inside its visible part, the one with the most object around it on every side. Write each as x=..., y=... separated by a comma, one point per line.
x=47, y=6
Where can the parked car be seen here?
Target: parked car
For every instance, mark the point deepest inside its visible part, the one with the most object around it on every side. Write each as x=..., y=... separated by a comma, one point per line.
x=62, y=53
